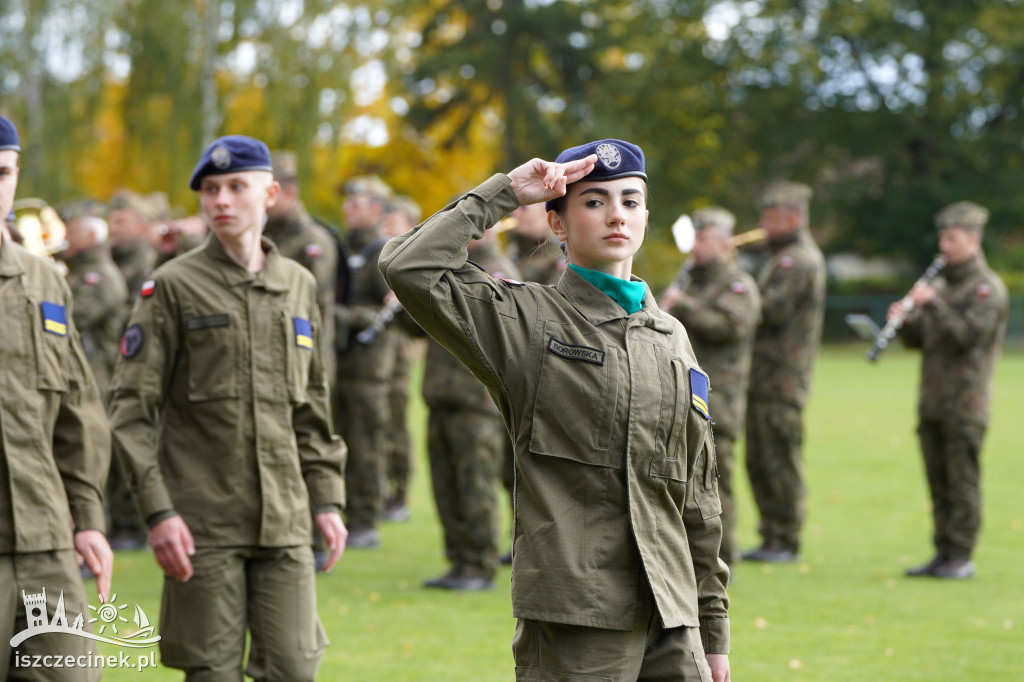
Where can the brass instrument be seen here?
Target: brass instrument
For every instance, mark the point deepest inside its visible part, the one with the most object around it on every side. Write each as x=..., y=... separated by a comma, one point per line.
x=41, y=229
x=685, y=235
x=888, y=332
x=749, y=237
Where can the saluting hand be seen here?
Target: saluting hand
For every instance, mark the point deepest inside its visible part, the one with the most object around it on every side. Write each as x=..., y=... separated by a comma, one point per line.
x=94, y=549
x=331, y=525
x=538, y=180
x=172, y=546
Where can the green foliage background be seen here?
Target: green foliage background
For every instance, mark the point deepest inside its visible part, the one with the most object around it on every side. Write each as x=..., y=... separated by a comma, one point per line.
x=845, y=614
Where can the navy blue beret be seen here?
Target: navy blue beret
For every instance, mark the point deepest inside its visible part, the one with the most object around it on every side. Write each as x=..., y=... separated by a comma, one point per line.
x=8, y=135
x=615, y=159
x=231, y=154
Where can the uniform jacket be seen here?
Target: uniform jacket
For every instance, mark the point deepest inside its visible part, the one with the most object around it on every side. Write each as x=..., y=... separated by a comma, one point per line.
x=361, y=362
x=786, y=344
x=615, y=472
x=541, y=262
x=959, y=333
x=54, y=441
x=720, y=309
x=135, y=261
x=101, y=307
x=225, y=361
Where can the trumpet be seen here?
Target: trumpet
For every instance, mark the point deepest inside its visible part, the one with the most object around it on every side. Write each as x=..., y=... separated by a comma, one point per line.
x=749, y=237
x=893, y=325
x=41, y=229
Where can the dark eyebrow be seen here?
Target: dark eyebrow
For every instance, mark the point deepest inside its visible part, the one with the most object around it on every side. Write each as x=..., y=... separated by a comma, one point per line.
x=631, y=191
x=595, y=190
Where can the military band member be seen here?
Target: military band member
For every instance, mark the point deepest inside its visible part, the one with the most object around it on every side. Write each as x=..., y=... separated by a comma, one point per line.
x=220, y=415
x=54, y=452
x=958, y=322
x=129, y=221
x=615, y=567
x=720, y=306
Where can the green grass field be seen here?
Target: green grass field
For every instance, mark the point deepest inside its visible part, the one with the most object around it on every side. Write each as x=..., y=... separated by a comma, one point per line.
x=844, y=613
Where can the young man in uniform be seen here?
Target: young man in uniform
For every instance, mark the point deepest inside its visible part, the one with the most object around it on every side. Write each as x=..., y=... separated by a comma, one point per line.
x=720, y=306
x=958, y=322
x=222, y=353
x=786, y=345
x=54, y=451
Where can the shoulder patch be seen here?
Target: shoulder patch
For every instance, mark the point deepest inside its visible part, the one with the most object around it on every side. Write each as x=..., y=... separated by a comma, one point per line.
x=148, y=287
x=55, y=318
x=584, y=353
x=786, y=262
x=313, y=251
x=699, y=392
x=738, y=287
x=131, y=342
x=303, y=332
x=984, y=290
x=92, y=278
x=512, y=282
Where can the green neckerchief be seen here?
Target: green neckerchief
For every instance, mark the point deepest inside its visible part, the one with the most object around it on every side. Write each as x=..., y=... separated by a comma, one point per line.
x=628, y=294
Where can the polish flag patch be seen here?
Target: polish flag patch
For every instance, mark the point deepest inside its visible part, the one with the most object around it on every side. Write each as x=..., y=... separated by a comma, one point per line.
x=785, y=262
x=148, y=287
x=984, y=290
x=738, y=288
x=313, y=251
x=91, y=278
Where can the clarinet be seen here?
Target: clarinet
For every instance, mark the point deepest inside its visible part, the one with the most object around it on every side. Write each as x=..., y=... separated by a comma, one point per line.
x=888, y=332
x=382, y=320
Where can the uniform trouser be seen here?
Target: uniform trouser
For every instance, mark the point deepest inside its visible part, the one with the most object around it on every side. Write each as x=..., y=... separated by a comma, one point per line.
x=464, y=448
x=399, y=470
x=775, y=435
x=362, y=419
x=31, y=573
x=724, y=448
x=554, y=652
x=269, y=590
x=952, y=451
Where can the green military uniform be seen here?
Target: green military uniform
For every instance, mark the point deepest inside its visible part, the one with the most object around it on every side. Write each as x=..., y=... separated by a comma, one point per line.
x=720, y=307
x=136, y=262
x=786, y=344
x=227, y=363
x=959, y=333
x=615, y=475
x=400, y=454
x=465, y=442
x=362, y=410
x=54, y=455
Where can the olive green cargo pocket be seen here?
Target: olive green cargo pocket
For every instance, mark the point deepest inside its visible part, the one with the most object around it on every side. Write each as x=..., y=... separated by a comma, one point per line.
x=211, y=342
x=576, y=394
x=672, y=464
x=705, y=481
x=50, y=339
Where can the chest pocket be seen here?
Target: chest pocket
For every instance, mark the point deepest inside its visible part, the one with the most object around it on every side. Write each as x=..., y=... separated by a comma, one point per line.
x=50, y=329
x=212, y=343
x=685, y=419
x=577, y=390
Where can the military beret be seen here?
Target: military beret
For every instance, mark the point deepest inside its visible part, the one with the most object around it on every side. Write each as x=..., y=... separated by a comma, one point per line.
x=615, y=159
x=285, y=163
x=231, y=154
x=127, y=200
x=367, y=184
x=403, y=204
x=81, y=208
x=713, y=216
x=786, y=193
x=8, y=135
x=964, y=214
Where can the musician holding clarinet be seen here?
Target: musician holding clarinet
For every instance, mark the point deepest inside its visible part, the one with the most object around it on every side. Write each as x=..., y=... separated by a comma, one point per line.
x=958, y=321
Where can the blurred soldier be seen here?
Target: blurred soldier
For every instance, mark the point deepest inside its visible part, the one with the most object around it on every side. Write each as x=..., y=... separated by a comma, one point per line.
x=402, y=215
x=220, y=414
x=958, y=322
x=538, y=256
x=177, y=236
x=792, y=286
x=300, y=238
x=54, y=451
x=101, y=304
x=466, y=442
x=362, y=411
x=720, y=306
x=129, y=219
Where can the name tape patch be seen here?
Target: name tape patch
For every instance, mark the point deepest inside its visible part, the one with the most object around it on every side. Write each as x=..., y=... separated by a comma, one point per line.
x=699, y=392
x=198, y=322
x=569, y=352
x=303, y=332
x=55, y=318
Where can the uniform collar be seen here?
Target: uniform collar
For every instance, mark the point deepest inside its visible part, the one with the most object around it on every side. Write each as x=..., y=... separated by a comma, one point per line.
x=85, y=258
x=272, y=277
x=10, y=259
x=781, y=242
x=961, y=271
x=599, y=308
x=710, y=269
x=288, y=223
x=126, y=251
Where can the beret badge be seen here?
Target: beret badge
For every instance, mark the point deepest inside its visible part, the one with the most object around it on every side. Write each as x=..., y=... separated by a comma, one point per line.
x=220, y=157
x=609, y=155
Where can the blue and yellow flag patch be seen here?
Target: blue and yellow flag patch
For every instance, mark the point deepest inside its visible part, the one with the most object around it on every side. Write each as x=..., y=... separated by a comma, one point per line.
x=303, y=333
x=55, y=318
x=699, y=392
